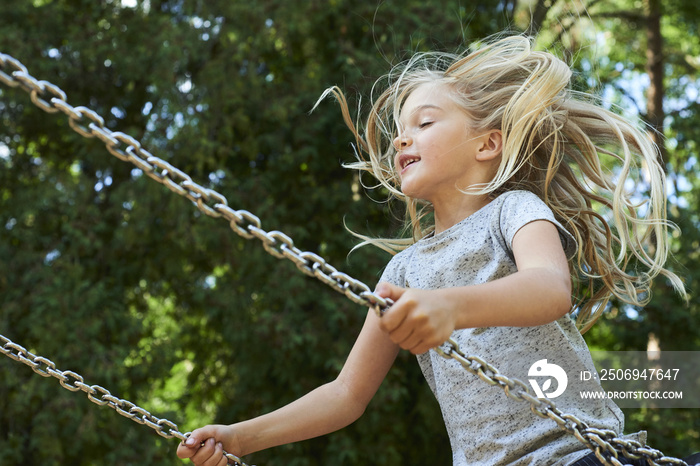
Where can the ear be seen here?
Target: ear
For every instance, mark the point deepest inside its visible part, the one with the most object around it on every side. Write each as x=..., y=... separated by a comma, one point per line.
x=492, y=144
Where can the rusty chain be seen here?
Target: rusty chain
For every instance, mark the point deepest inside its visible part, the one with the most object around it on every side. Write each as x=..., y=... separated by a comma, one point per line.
x=608, y=447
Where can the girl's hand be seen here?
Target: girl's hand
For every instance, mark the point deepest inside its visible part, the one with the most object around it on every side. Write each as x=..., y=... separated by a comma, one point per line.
x=419, y=319
x=205, y=447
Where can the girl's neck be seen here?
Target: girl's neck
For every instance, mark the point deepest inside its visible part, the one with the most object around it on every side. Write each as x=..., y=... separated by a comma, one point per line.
x=450, y=213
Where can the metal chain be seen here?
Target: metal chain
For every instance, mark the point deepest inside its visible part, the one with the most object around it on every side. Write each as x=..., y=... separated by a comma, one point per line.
x=608, y=448
x=99, y=395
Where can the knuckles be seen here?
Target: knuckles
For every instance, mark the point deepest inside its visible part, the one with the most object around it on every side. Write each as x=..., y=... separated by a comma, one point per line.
x=411, y=326
x=384, y=324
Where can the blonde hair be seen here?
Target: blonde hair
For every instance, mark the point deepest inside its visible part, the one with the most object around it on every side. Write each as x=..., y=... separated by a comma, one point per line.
x=553, y=141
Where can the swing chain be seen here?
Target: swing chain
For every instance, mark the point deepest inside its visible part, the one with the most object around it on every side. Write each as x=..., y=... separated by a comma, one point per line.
x=99, y=395
x=88, y=124
x=604, y=443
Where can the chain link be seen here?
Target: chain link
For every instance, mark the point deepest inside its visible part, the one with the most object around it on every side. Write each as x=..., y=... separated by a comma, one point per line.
x=97, y=394
x=605, y=443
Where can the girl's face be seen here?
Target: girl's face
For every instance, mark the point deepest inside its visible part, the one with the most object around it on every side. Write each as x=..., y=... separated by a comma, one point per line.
x=437, y=153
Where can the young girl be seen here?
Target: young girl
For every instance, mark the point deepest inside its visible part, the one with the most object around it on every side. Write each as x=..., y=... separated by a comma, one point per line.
x=499, y=164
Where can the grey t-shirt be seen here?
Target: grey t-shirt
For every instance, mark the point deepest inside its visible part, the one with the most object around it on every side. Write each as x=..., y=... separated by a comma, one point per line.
x=484, y=426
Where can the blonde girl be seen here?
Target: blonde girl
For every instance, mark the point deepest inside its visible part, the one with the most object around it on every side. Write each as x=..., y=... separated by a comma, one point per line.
x=511, y=211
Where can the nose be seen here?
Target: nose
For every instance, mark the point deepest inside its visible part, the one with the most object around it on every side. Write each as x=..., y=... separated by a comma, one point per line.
x=402, y=141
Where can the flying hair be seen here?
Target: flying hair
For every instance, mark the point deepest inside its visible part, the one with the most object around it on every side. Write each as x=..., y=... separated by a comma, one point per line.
x=559, y=144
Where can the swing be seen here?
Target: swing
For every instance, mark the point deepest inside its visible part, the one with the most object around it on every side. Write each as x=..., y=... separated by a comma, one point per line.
x=606, y=445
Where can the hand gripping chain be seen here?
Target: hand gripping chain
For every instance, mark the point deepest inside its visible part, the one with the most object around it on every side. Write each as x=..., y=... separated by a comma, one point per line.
x=95, y=393
x=608, y=448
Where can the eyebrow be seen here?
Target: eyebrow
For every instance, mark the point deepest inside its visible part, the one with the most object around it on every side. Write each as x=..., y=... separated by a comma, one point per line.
x=425, y=106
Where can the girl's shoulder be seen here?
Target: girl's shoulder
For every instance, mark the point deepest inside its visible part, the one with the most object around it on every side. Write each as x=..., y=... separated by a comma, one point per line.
x=394, y=271
x=515, y=209
x=519, y=197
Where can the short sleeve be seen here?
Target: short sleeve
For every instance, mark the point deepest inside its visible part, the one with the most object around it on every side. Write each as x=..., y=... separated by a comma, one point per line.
x=522, y=207
x=395, y=270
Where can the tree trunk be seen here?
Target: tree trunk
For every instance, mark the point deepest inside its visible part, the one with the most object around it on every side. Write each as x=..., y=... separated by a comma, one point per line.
x=655, y=70
x=538, y=15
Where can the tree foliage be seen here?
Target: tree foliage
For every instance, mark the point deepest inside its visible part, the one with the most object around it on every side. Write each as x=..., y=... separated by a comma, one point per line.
x=111, y=275
x=620, y=60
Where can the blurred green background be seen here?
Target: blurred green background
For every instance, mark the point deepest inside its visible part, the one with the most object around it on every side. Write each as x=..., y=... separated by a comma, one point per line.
x=110, y=274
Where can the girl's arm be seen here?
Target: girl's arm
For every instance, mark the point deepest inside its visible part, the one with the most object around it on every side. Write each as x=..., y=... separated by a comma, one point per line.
x=323, y=410
x=538, y=293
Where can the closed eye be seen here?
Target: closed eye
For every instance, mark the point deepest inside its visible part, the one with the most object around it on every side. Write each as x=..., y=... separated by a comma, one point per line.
x=425, y=123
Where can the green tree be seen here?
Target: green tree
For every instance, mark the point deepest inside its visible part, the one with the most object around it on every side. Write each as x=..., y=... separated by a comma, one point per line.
x=111, y=275
x=646, y=61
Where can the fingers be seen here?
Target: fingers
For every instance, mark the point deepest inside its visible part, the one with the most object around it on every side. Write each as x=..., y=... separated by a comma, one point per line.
x=395, y=315
x=183, y=451
x=404, y=324
x=204, y=447
x=413, y=339
x=413, y=343
x=210, y=453
x=387, y=290
x=417, y=321
x=421, y=347
x=200, y=435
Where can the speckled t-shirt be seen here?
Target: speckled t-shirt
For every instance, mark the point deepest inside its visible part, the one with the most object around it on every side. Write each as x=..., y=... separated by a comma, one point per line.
x=484, y=426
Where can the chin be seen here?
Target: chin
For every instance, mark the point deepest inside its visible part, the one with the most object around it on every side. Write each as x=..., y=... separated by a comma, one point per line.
x=408, y=190
x=414, y=196
x=409, y=193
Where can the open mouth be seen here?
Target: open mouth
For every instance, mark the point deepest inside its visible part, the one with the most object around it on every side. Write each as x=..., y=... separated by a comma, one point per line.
x=406, y=160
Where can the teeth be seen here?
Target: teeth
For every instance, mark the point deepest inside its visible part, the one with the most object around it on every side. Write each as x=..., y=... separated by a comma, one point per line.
x=409, y=162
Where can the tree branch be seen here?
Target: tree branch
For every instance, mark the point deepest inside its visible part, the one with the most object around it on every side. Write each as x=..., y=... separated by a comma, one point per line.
x=538, y=16
x=635, y=18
